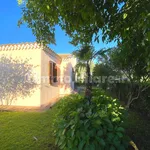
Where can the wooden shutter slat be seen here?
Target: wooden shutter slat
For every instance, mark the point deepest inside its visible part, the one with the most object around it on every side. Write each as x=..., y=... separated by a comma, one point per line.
x=51, y=72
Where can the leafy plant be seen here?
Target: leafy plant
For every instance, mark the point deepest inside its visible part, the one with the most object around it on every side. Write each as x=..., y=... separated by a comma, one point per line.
x=80, y=126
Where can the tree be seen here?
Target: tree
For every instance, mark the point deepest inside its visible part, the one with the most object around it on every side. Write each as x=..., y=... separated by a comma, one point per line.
x=16, y=79
x=102, y=73
x=135, y=66
x=104, y=66
x=85, y=55
x=82, y=20
x=81, y=71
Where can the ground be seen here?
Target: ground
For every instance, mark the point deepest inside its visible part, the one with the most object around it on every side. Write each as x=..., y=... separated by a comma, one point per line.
x=26, y=130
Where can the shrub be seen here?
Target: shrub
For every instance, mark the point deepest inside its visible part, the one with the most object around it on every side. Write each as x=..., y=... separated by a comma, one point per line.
x=97, y=126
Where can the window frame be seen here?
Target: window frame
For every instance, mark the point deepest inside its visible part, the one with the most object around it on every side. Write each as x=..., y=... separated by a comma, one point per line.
x=53, y=73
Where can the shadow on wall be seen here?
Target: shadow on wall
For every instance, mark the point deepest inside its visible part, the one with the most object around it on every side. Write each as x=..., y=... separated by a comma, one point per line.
x=16, y=79
x=65, y=83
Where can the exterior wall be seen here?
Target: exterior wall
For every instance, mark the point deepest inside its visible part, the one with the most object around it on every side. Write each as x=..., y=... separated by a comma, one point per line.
x=44, y=93
x=49, y=93
x=34, y=56
x=66, y=82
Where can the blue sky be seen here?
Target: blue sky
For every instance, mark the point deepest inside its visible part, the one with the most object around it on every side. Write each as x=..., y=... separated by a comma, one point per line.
x=10, y=13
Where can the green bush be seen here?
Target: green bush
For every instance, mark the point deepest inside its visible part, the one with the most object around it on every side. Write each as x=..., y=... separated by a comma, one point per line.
x=99, y=126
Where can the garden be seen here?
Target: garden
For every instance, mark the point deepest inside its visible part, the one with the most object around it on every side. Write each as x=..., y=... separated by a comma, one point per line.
x=73, y=123
x=112, y=113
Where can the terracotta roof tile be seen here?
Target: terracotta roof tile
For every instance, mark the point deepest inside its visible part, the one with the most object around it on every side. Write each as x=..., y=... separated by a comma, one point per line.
x=25, y=46
x=64, y=55
x=19, y=46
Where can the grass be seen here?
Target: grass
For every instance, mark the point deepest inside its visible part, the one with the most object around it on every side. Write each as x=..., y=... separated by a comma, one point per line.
x=27, y=130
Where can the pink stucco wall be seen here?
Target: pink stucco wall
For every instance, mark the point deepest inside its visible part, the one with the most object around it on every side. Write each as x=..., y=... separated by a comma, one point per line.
x=34, y=57
x=66, y=84
x=44, y=93
x=49, y=92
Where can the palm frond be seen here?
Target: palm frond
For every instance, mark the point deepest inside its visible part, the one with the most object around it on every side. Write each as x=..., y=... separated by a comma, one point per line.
x=101, y=52
x=84, y=53
x=80, y=66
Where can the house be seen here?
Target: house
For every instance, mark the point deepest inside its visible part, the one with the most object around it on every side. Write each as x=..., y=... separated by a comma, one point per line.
x=45, y=75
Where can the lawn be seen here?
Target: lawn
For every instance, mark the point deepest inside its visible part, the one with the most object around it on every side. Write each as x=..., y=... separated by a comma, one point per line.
x=26, y=130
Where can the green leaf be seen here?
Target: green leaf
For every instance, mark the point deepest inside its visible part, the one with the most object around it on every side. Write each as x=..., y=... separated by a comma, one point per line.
x=62, y=146
x=72, y=133
x=48, y=7
x=102, y=142
x=81, y=145
x=82, y=134
x=116, y=142
x=56, y=142
x=76, y=142
x=20, y=2
x=60, y=142
x=121, y=147
x=100, y=133
x=117, y=119
x=92, y=147
x=87, y=147
x=110, y=136
x=125, y=16
x=63, y=131
x=112, y=148
x=120, y=129
x=148, y=36
x=120, y=134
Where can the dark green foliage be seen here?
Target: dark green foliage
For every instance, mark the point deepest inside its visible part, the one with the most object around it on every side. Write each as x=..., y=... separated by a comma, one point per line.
x=104, y=69
x=138, y=128
x=141, y=105
x=102, y=72
x=132, y=59
x=82, y=20
x=132, y=62
x=98, y=126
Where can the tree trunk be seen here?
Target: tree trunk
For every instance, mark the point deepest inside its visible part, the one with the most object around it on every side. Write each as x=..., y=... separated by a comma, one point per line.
x=88, y=92
x=129, y=101
x=131, y=95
